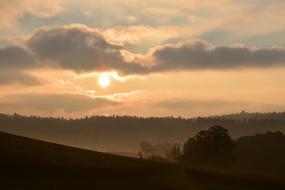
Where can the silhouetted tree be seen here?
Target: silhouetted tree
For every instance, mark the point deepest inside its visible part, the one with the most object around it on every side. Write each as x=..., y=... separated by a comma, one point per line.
x=212, y=147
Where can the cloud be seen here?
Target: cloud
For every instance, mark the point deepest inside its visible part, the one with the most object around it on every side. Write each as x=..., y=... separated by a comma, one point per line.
x=16, y=58
x=80, y=48
x=51, y=103
x=109, y=13
x=140, y=37
x=13, y=62
x=83, y=49
x=199, y=55
x=267, y=13
x=257, y=18
x=12, y=10
x=129, y=12
x=14, y=77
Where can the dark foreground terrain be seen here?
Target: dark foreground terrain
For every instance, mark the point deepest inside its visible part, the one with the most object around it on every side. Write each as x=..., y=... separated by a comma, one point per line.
x=32, y=164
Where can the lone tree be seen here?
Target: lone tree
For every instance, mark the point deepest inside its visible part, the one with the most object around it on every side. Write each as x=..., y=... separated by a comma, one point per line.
x=213, y=147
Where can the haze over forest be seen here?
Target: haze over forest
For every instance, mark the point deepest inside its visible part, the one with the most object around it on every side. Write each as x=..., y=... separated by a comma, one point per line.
x=125, y=133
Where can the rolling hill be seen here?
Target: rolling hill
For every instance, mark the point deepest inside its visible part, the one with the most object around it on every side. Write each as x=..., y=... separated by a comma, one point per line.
x=31, y=164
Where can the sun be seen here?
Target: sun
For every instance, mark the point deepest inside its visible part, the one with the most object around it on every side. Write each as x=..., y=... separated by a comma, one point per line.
x=104, y=81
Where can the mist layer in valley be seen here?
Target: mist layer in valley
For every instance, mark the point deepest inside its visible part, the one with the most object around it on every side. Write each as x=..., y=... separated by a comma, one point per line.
x=124, y=134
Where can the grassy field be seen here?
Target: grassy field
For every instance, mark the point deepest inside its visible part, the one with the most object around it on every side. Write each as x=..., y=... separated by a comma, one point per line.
x=32, y=164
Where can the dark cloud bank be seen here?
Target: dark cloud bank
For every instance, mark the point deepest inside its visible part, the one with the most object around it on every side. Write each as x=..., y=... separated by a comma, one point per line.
x=82, y=49
x=200, y=55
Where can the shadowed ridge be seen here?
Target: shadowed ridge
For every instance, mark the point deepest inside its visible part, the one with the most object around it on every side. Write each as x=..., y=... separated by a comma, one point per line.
x=32, y=164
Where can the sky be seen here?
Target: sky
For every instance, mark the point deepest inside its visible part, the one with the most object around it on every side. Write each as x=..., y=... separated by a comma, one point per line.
x=186, y=58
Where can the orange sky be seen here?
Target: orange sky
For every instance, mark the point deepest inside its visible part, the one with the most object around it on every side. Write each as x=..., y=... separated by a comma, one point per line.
x=155, y=58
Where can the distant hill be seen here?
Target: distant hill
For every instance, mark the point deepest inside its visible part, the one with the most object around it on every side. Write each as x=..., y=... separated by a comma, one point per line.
x=125, y=133
x=31, y=164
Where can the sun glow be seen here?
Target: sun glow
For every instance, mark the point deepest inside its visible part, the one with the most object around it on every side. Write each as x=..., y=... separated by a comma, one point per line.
x=104, y=81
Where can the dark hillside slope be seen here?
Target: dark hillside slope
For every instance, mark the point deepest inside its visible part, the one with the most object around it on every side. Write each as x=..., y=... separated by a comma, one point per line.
x=27, y=163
